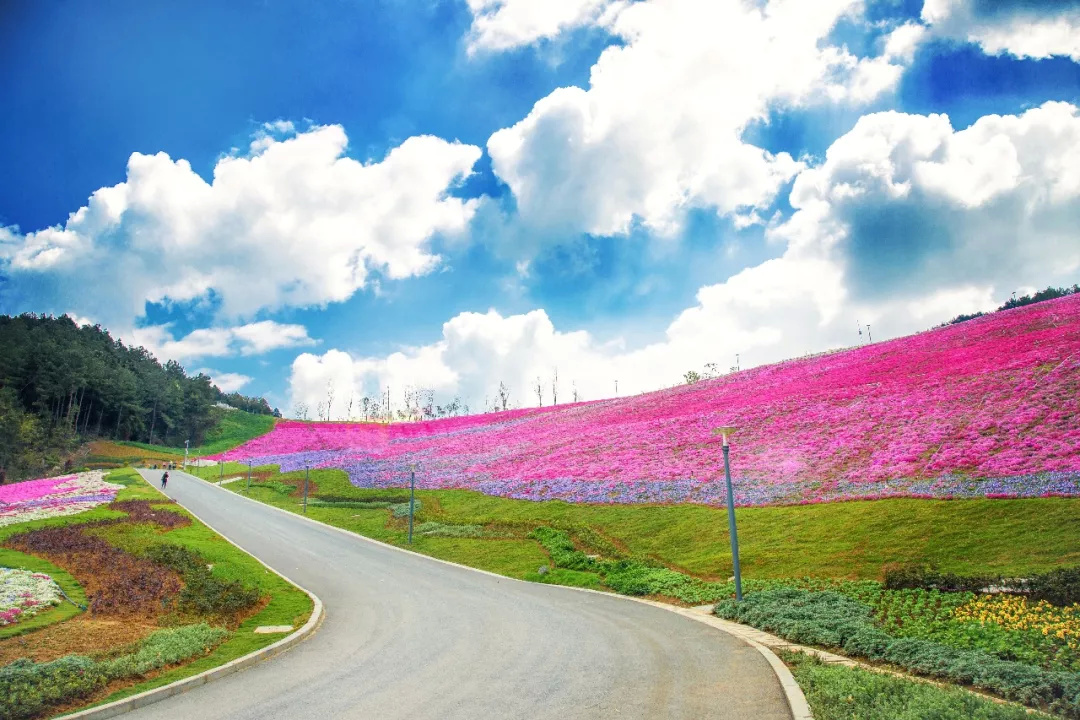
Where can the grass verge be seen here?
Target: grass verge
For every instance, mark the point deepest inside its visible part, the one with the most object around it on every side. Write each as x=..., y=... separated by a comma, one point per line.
x=836, y=692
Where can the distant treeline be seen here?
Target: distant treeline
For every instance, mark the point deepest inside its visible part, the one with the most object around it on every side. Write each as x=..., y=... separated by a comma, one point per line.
x=1048, y=294
x=60, y=381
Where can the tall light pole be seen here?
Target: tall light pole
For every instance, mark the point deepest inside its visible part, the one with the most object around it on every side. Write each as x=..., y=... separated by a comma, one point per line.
x=186, y=442
x=731, y=513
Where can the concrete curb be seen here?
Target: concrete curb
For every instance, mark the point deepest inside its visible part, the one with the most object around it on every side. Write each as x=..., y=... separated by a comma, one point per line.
x=118, y=707
x=800, y=709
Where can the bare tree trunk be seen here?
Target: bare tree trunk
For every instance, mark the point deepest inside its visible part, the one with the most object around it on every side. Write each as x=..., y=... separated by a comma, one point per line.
x=153, y=421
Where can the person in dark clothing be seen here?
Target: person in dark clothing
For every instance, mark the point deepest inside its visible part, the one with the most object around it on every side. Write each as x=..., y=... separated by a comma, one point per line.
x=164, y=479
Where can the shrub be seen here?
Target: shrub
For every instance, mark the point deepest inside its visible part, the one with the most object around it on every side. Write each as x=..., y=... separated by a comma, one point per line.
x=628, y=576
x=831, y=619
x=436, y=529
x=1057, y=587
x=166, y=647
x=28, y=688
x=352, y=504
x=387, y=499
x=561, y=549
x=835, y=692
x=401, y=510
x=203, y=593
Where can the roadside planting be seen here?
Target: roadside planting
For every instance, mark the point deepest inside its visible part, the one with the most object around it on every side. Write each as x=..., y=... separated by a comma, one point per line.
x=162, y=597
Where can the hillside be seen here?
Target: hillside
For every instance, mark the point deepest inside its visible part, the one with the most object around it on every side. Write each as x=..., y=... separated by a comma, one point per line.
x=986, y=407
x=62, y=383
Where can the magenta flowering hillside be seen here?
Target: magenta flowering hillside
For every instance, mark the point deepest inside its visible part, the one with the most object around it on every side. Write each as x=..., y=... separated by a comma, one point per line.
x=989, y=407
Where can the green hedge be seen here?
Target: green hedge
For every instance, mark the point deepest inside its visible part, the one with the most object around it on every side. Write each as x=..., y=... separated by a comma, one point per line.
x=28, y=688
x=1059, y=587
x=833, y=620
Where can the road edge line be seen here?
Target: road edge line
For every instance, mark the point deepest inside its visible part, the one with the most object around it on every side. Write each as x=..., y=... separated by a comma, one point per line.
x=796, y=699
x=149, y=697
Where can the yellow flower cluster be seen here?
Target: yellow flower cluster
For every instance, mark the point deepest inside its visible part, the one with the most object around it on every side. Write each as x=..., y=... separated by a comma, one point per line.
x=1016, y=613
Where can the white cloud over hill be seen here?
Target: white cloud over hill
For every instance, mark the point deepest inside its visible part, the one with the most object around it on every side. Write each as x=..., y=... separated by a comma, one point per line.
x=1020, y=28
x=906, y=222
x=660, y=128
x=251, y=339
x=292, y=222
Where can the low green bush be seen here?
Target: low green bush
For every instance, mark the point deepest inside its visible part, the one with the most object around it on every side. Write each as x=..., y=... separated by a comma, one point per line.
x=28, y=689
x=831, y=619
x=166, y=647
x=628, y=576
x=387, y=499
x=203, y=592
x=1058, y=587
x=351, y=504
x=836, y=692
x=276, y=486
x=401, y=510
x=437, y=529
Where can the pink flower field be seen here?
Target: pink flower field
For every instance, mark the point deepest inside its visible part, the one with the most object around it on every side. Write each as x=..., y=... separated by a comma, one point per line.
x=985, y=408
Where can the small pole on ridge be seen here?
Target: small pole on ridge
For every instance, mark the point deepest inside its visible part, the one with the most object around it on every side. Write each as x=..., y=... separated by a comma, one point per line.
x=412, y=501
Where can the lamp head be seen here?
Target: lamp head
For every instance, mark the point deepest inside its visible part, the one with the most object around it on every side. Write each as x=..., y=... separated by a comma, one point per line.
x=724, y=432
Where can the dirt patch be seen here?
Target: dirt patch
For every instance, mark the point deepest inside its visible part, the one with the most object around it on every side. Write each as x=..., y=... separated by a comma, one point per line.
x=79, y=636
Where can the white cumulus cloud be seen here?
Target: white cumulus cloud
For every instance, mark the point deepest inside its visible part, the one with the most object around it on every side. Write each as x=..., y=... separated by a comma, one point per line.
x=505, y=24
x=227, y=382
x=660, y=128
x=251, y=339
x=1020, y=28
x=293, y=222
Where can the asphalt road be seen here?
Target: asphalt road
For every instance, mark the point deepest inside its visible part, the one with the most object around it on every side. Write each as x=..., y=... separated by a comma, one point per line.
x=409, y=637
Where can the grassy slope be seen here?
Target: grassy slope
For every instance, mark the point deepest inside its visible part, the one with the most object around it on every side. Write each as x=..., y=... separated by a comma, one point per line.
x=235, y=428
x=288, y=605
x=852, y=540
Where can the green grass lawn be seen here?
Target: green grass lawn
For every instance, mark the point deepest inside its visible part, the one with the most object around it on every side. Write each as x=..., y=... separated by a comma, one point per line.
x=853, y=540
x=234, y=428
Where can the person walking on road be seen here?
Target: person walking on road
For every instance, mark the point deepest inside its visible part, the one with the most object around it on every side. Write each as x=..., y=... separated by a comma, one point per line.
x=164, y=479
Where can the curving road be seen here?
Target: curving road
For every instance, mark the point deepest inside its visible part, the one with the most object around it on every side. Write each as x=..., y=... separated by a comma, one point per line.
x=409, y=637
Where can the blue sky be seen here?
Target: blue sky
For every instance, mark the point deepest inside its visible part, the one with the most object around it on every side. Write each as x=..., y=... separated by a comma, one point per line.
x=612, y=189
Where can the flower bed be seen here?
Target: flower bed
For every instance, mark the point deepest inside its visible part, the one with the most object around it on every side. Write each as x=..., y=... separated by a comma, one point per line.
x=23, y=594
x=985, y=408
x=54, y=497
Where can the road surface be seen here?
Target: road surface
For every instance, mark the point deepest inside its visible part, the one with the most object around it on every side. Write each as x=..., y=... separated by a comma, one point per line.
x=408, y=637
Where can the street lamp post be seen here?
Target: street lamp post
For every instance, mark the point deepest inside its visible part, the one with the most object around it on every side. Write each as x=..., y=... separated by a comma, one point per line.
x=731, y=514
x=186, y=442
x=412, y=501
x=307, y=475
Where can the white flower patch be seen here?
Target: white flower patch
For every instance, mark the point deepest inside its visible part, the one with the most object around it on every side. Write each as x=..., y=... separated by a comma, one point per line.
x=23, y=594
